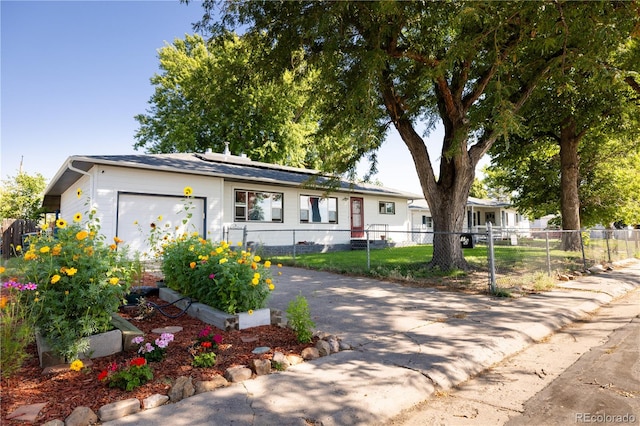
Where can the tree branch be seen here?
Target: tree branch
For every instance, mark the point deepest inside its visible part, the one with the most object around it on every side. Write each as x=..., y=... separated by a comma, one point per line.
x=633, y=83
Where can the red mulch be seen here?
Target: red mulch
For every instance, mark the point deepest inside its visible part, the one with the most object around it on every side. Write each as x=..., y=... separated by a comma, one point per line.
x=67, y=390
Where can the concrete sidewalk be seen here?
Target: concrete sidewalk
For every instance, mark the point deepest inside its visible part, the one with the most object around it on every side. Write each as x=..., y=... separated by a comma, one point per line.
x=407, y=343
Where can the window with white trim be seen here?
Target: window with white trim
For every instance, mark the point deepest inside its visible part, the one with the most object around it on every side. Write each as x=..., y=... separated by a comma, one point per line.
x=254, y=206
x=315, y=209
x=387, y=207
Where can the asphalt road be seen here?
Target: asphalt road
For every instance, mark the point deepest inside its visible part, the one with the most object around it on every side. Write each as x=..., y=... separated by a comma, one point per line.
x=589, y=372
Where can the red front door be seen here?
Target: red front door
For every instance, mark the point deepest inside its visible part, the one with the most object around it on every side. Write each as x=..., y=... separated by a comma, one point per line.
x=357, y=218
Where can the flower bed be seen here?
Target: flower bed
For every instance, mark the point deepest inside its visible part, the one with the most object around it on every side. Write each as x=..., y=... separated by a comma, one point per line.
x=69, y=389
x=218, y=275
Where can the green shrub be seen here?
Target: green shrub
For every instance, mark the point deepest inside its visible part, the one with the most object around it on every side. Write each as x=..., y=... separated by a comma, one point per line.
x=299, y=319
x=16, y=324
x=136, y=373
x=204, y=360
x=81, y=281
x=216, y=275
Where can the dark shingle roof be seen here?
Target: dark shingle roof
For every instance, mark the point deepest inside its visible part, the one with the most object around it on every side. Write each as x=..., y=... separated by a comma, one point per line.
x=229, y=167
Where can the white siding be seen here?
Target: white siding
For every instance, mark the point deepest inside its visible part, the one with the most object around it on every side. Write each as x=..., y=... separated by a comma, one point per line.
x=70, y=203
x=275, y=233
x=109, y=181
x=218, y=204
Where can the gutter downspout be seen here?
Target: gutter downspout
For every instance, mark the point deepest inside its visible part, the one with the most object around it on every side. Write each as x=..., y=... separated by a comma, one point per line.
x=91, y=188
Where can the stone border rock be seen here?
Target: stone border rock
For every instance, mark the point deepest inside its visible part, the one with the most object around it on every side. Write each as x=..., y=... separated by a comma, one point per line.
x=184, y=386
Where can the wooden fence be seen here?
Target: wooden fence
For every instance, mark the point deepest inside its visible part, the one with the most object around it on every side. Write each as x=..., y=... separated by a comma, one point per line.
x=13, y=231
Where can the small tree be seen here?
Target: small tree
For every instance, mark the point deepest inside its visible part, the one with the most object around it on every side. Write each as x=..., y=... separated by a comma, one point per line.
x=21, y=196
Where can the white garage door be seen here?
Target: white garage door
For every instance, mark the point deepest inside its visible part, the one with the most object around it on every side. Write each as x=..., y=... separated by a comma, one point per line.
x=138, y=214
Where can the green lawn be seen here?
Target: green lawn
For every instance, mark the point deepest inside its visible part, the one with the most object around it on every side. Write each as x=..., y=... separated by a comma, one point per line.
x=410, y=262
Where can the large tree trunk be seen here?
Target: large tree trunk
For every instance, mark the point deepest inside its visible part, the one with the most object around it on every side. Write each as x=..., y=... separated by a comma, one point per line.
x=448, y=214
x=446, y=196
x=569, y=181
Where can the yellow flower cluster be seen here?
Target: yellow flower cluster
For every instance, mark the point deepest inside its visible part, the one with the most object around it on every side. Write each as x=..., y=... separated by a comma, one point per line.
x=239, y=278
x=80, y=281
x=76, y=365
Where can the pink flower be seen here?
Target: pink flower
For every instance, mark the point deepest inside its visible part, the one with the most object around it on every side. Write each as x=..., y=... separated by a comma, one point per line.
x=217, y=338
x=205, y=332
x=168, y=337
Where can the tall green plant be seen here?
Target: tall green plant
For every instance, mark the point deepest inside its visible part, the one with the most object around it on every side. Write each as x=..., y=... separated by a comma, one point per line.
x=81, y=281
x=16, y=323
x=225, y=278
x=299, y=319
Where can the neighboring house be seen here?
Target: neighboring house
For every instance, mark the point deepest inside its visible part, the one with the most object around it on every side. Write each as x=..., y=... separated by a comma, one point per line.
x=505, y=220
x=234, y=199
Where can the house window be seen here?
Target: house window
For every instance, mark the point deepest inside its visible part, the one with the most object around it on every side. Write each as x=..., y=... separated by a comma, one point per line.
x=318, y=209
x=427, y=221
x=253, y=206
x=387, y=207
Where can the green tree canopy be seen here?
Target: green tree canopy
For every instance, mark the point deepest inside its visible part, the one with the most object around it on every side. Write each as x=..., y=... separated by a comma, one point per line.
x=21, y=196
x=209, y=93
x=470, y=65
x=609, y=181
x=478, y=189
x=581, y=126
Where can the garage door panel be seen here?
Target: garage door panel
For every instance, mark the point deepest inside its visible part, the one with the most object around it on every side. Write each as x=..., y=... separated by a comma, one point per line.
x=140, y=214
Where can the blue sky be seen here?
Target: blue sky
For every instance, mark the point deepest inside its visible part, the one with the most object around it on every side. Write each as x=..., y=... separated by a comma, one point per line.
x=75, y=73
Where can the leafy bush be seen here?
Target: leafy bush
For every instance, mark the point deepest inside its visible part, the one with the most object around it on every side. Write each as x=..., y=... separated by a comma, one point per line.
x=16, y=323
x=203, y=350
x=204, y=360
x=136, y=373
x=81, y=281
x=217, y=275
x=299, y=319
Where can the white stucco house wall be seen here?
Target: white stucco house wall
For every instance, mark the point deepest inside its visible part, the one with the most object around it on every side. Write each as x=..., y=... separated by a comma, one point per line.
x=505, y=220
x=234, y=199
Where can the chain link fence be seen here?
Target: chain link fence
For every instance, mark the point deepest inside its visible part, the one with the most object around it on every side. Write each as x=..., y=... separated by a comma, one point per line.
x=511, y=257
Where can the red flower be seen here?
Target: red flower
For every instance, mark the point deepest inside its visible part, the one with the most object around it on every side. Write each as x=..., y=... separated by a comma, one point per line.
x=206, y=344
x=103, y=375
x=138, y=362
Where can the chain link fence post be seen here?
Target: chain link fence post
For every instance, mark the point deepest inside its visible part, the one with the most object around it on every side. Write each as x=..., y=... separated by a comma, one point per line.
x=491, y=257
x=294, y=245
x=245, y=233
x=546, y=237
x=584, y=257
x=626, y=243
x=366, y=234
